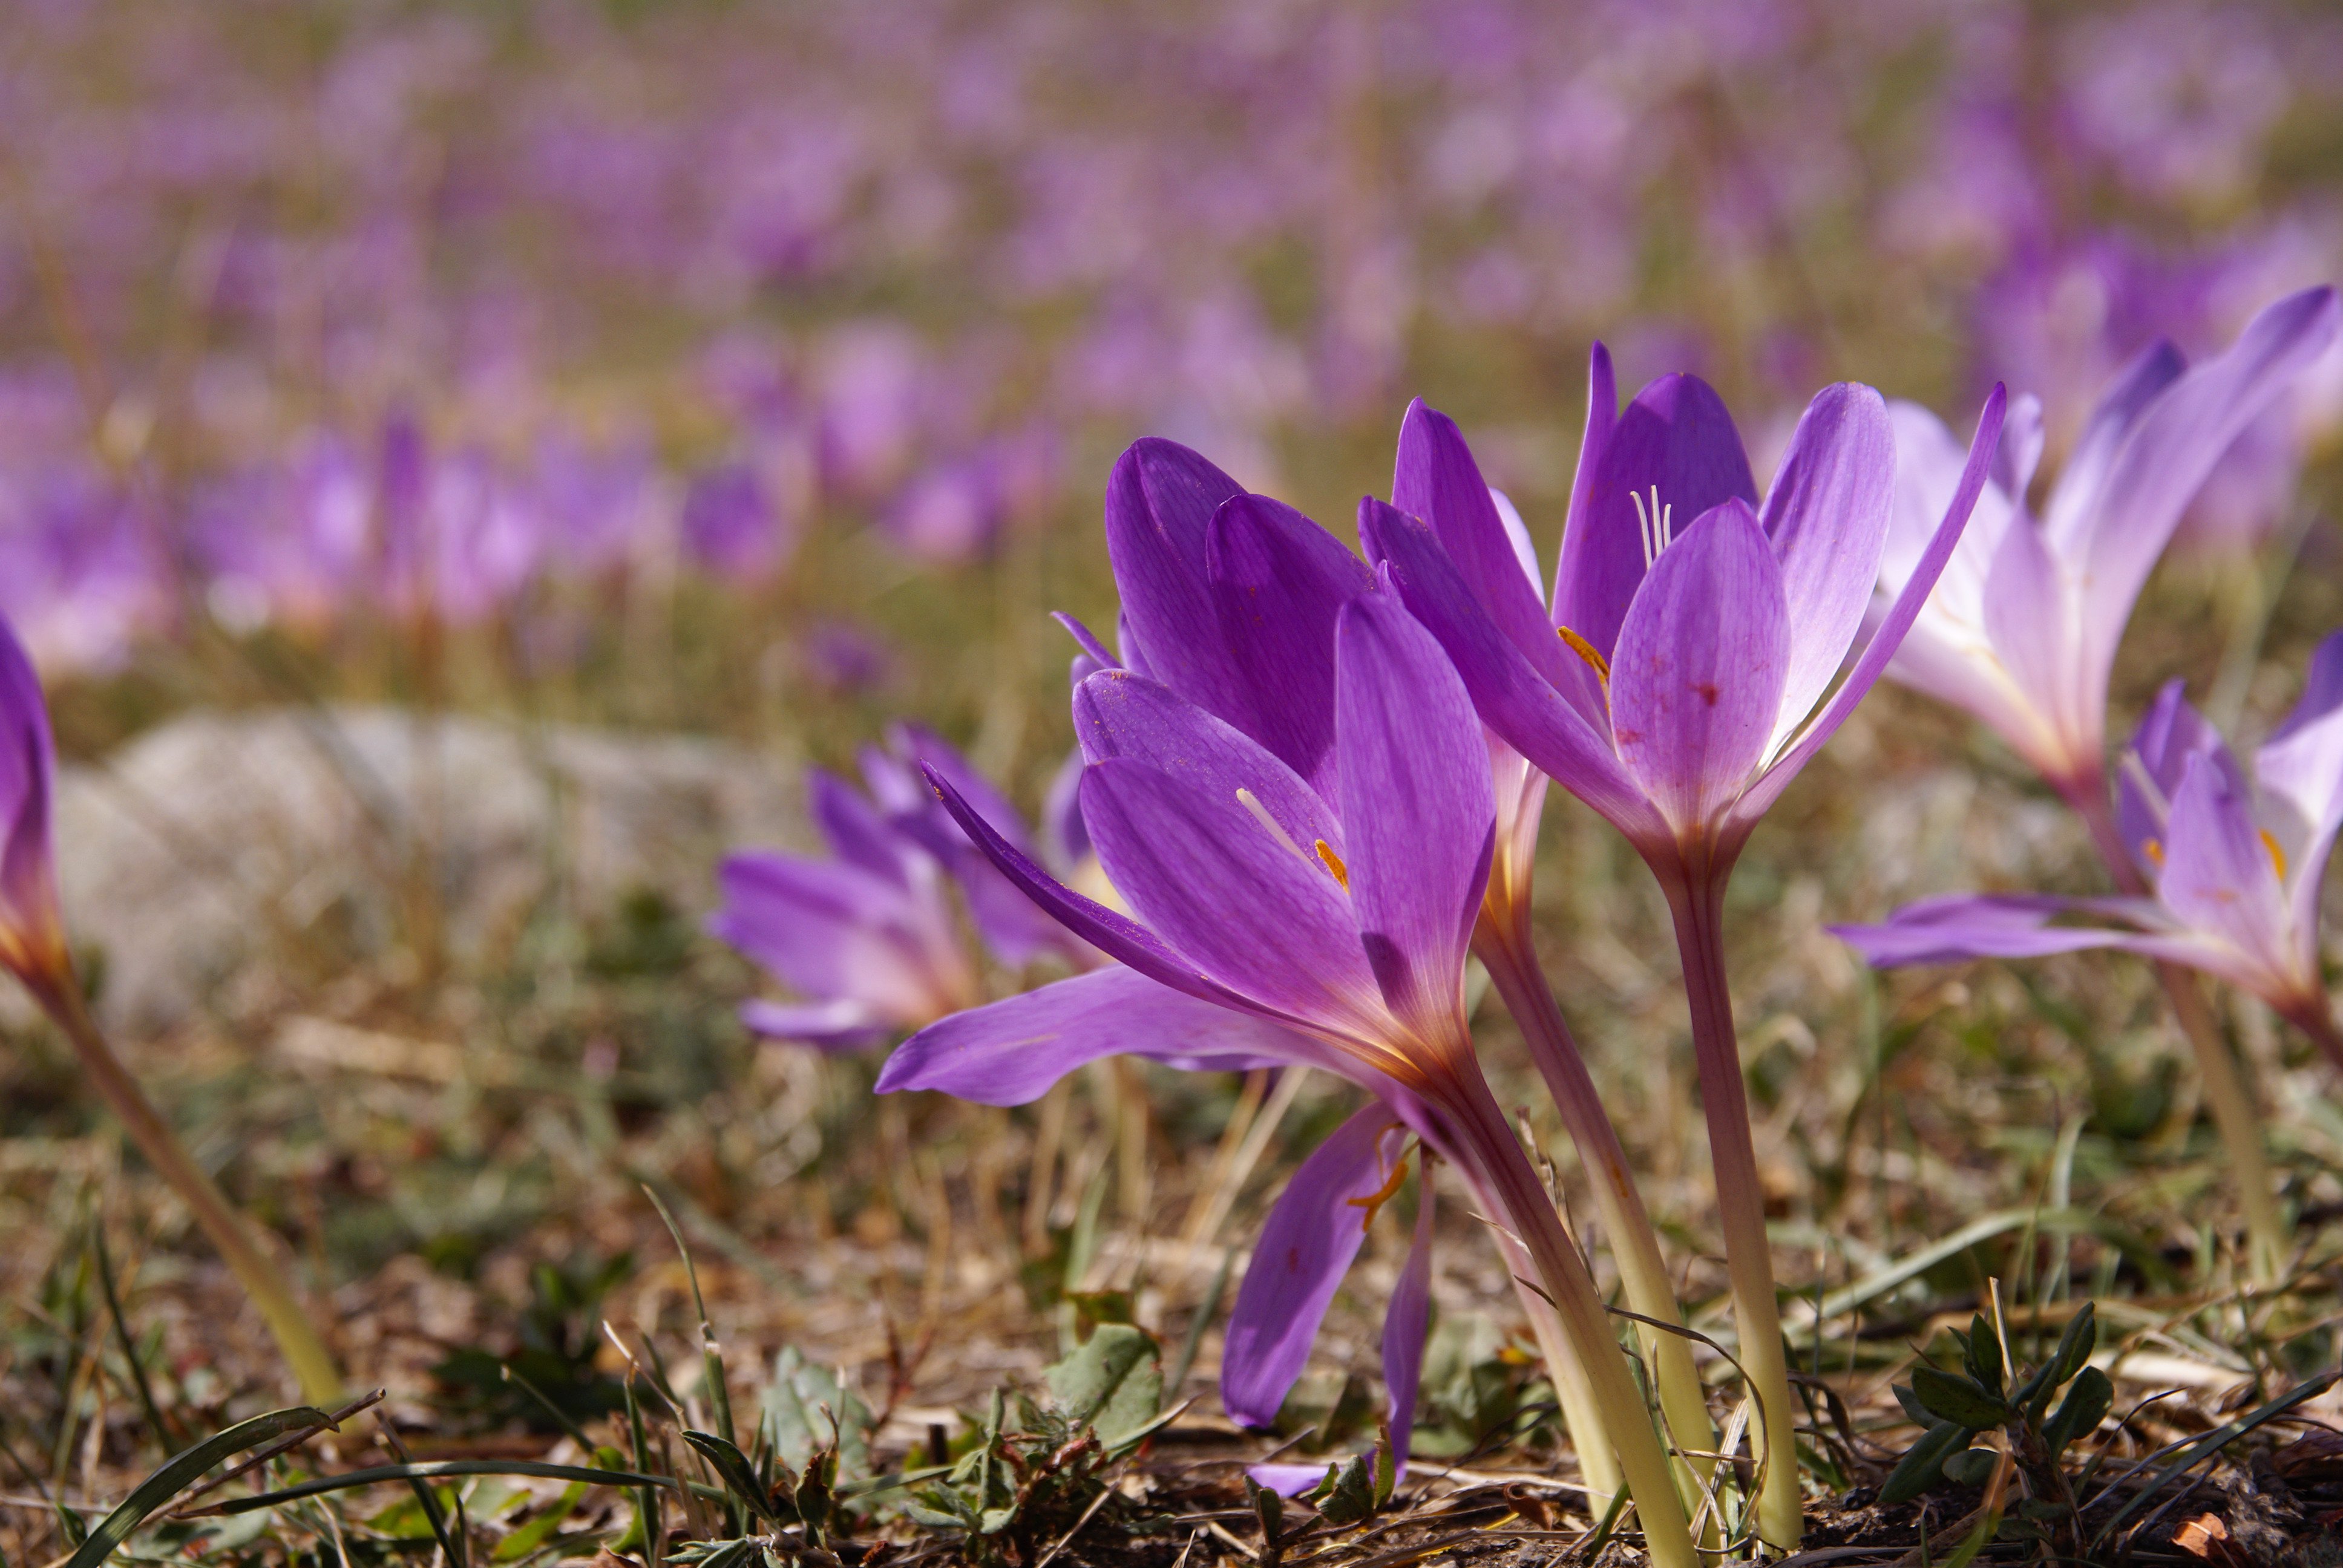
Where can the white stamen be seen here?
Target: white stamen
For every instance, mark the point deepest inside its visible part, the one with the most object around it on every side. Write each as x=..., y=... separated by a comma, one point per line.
x=2153, y=793
x=1251, y=802
x=1657, y=525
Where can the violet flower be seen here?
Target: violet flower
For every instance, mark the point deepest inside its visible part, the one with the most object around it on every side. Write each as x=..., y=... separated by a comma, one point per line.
x=33, y=947
x=1344, y=926
x=1437, y=481
x=2231, y=869
x=2023, y=630
x=1698, y=636
x=868, y=937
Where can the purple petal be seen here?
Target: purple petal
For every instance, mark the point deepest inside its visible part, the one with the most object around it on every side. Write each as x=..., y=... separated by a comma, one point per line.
x=1601, y=417
x=1827, y=516
x=1405, y=1323
x=2172, y=446
x=1278, y=581
x=1264, y=918
x=1513, y=699
x=834, y=931
x=1062, y=814
x=2075, y=497
x=921, y=747
x=1893, y=626
x=1697, y=686
x=2169, y=734
x=1959, y=927
x=856, y=832
x=2301, y=772
x=1011, y=1052
x=830, y=1027
x=1087, y=640
x=1676, y=436
x=1417, y=808
x=28, y=878
x=1159, y=503
x=1118, y=714
x=2029, y=622
x=1305, y=1248
x=2219, y=875
x=1435, y=480
x=1117, y=935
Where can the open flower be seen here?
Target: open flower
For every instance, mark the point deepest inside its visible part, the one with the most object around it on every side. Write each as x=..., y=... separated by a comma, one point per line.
x=2023, y=627
x=1679, y=682
x=2233, y=868
x=868, y=937
x=1337, y=906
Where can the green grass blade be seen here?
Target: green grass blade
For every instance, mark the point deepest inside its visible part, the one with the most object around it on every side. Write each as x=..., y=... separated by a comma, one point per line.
x=182, y=1468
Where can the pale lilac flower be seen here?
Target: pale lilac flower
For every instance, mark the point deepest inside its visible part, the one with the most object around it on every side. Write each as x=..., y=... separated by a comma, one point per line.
x=2232, y=869
x=2022, y=630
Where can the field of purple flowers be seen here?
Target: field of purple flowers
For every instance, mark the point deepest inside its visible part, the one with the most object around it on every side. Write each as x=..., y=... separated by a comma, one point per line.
x=1046, y=782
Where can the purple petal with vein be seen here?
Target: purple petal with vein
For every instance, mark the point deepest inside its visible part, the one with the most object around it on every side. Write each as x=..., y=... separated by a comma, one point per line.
x=1305, y=1248
x=2219, y=876
x=32, y=938
x=1011, y=1052
x=1676, y=436
x=1826, y=515
x=1437, y=479
x=1696, y=683
x=1261, y=917
x=1417, y=802
x=2172, y=447
x=1118, y=714
x=1277, y=582
x=1513, y=699
x=1892, y=627
x=1160, y=502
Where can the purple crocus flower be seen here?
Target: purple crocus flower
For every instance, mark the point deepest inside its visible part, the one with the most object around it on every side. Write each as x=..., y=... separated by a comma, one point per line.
x=868, y=937
x=2230, y=870
x=2022, y=630
x=1335, y=906
x=1678, y=684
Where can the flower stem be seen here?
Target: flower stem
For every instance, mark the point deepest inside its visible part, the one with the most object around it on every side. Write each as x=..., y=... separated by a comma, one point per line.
x=321, y=1381
x=1562, y=1275
x=1635, y=1247
x=2270, y=1239
x=1699, y=910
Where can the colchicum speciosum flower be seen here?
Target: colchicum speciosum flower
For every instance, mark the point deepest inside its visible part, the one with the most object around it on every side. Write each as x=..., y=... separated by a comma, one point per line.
x=2023, y=628
x=1333, y=901
x=2231, y=869
x=1677, y=688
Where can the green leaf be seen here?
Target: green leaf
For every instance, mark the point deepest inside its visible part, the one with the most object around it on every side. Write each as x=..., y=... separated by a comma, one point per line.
x=539, y=1529
x=740, y=1477
x=181, y=1470
x=1982, y=1356
x=1970, y=1466
x=1114, y=1382
x=1957, y=1399
x=793, y=1403
x=2086, y=1405
x=1920, y=1468
x=375, y=1474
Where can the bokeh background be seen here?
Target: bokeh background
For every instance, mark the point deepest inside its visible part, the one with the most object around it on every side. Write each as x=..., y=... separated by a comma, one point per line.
x=459, y=462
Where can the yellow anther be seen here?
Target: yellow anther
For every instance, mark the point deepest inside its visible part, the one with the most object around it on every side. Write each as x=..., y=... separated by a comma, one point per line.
x=1587, y=651
x=2277, y=855
x=1373, y=1201
x=2153, y=851
x=1335, y=864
